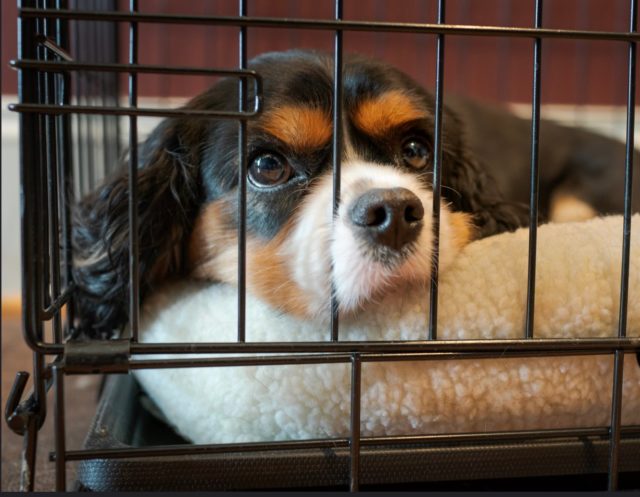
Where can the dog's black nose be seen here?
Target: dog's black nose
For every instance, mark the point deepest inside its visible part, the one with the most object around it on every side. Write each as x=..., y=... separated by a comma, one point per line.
x=389, y=216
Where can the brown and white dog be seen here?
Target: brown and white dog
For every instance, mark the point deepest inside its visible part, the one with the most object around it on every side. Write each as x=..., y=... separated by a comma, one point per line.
x=297, y=252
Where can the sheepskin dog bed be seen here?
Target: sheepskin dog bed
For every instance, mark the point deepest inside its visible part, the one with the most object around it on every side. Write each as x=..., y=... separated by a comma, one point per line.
x=483, y=295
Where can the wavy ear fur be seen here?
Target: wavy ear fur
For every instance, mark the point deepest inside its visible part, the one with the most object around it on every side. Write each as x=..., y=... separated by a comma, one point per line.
x=168, y=199
x=471, y=189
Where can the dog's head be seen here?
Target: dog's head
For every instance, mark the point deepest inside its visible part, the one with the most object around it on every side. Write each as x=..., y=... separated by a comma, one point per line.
x=297, y=252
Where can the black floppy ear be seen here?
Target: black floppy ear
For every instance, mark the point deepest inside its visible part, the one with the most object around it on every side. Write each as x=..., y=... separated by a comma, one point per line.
x=168, y=196
x=468, y=186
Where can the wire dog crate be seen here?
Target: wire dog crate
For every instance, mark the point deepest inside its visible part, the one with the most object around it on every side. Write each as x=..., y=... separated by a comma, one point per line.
x=70, y=120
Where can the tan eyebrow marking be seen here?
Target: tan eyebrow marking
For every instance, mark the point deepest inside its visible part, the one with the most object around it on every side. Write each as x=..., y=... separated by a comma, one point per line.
x=302, y=128
x=380, y=114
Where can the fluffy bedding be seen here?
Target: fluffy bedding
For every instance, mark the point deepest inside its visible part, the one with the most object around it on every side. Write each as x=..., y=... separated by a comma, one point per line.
x=482, y=295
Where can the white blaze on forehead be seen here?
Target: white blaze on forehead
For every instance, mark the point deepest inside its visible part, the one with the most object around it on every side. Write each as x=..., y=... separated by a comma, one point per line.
x=320, y=250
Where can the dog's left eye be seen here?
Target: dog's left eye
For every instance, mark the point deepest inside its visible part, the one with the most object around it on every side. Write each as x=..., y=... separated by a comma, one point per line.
x=415, y=153
x=268, y=170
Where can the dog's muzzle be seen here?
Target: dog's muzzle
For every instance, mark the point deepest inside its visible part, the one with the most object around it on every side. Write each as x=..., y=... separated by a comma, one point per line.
x=387, y=217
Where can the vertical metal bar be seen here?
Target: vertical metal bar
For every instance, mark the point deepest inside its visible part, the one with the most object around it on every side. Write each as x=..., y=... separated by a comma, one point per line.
x=65, y=160
x=29, y=233
x=437, y=177
x=51, y=174
x=115, y=51
x=533, y=197
x=336, y=149
x=102, y=33
x=356, y=387
x=242, y=180
x=42, y=218
x=133, y=180
x=628, y=177
x=88, y=41
x=30, y=443
x=616, y=397
x=60, y=442
x=616, y=417
x=80, y=91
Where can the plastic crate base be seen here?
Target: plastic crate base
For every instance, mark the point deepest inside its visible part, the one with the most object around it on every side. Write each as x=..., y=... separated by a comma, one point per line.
x=127, y=418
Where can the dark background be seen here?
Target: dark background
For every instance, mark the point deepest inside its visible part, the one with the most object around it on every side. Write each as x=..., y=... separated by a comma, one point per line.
x=576, y=72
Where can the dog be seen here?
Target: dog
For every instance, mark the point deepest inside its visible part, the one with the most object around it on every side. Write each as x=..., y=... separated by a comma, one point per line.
x=298, y=253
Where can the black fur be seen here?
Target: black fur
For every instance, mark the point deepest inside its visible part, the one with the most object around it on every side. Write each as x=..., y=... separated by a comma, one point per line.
x=169, y=194
x=189, y=162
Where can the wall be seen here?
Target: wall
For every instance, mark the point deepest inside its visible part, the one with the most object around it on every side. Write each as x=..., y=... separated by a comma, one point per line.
x=10, y=205
x=491, y=68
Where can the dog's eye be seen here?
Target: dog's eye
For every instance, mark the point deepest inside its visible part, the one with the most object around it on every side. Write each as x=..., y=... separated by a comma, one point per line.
x=415, y=153
x=268, y=170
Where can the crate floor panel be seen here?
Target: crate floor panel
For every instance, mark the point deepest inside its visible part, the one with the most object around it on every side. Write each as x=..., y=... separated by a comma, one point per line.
x=126, y=419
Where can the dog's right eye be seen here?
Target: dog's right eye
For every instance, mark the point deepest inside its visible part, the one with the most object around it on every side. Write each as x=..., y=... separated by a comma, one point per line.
x=269, y=170
x=415, y=153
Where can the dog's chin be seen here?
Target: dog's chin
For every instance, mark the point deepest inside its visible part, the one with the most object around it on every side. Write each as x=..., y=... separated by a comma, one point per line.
x=362, y=281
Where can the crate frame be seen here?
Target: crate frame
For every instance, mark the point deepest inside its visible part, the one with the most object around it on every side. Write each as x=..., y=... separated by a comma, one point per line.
x=45, y=71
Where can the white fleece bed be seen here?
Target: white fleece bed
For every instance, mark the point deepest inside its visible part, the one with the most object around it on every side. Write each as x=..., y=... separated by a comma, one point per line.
x=482, y=295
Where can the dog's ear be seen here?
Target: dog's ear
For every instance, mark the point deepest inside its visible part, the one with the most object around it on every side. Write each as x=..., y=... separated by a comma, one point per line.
x=468, y=186
x=168, y=196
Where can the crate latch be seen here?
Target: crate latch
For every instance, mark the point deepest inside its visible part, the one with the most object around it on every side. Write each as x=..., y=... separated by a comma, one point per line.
x=97, y=356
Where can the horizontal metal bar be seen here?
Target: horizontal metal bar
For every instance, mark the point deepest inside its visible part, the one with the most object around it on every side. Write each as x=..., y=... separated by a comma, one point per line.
x=338, y=443
x=500, y=348
x=504, y=346
x=301, y=359
x=133, y=111
x=58, y=302
x=61, y=66
x=333, y=25
x=183, y=449
x=497, y=436
x=201, y=362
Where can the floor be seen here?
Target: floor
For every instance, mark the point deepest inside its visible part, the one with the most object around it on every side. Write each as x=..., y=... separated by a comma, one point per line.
x=80, y=403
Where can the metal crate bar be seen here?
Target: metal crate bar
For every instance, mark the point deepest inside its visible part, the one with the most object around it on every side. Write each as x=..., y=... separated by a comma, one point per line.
x=63, y=66
x=533, y=192
x=355, y=439
x=242, y=181
x=503, y=346
x=31, y=249
x=52, y=166
x=336, y=150
x=335, y=443
x=437, y=178
x=616, y=417
x=328, y=358
x=59, y=302
x=128, y=111
x=616, y=397
x=392, y=27
x=628, y=178
x=134, y=244
x=65, y=164
x=59, y=432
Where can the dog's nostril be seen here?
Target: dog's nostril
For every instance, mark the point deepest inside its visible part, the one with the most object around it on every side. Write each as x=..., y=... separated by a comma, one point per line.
x=376, y=216
x=388, y=216
x=414, y=212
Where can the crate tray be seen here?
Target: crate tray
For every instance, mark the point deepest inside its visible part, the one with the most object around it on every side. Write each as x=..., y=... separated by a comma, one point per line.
x=127, y=418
